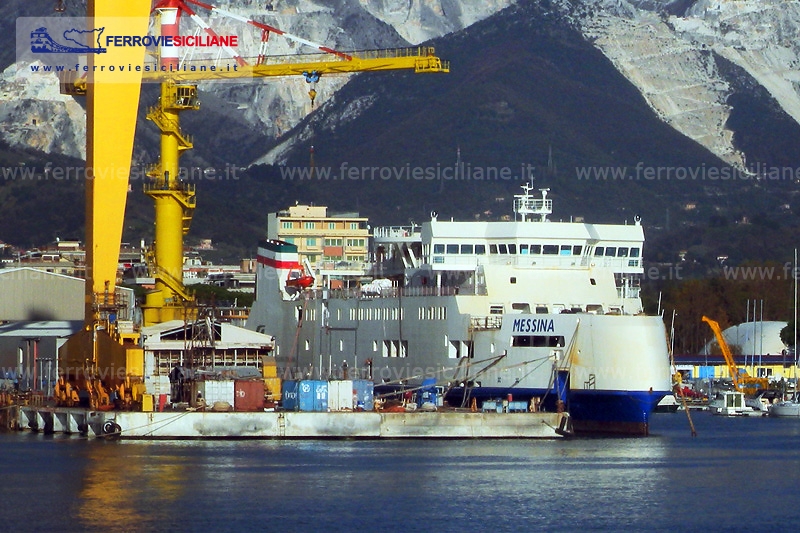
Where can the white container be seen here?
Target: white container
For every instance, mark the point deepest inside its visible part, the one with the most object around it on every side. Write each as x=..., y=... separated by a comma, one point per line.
x=217, y=391
x=340, y=395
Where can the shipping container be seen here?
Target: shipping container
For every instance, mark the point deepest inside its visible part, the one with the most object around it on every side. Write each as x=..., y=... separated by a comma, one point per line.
x=272, y=389
x=305, y=395
x=340, y=395
x=213, y=392
x=248, y=395
x=364, y=394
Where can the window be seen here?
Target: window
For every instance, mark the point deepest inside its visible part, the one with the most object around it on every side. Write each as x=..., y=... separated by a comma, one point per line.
x=634, y=252
x=513, y=280
x=466, y=249
x=309, y=225
x=599, y=251
x=512, y=249
x=438, y=248
x=536, y=249
x=333, y=242
x=550, y=249
x=311, y=241
x=492, y=248
x=290, y=240
x=355, y=242
x=523, y=249
x=331, y=225
x=354, y=225
x=452, y=248
x=286, y=225
x=565, y=249
x=611, y=251
x=622, y=252
x=538, y=341
x=502, y=248
x=480, y=249
x=576, y=250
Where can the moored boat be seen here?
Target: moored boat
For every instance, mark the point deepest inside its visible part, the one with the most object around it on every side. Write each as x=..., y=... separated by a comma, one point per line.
x=546, y=312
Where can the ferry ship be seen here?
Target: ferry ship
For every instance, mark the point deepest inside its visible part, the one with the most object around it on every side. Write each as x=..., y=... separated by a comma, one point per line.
x=526, y=309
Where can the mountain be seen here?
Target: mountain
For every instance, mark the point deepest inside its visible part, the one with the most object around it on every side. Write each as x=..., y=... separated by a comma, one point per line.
x=693, y=101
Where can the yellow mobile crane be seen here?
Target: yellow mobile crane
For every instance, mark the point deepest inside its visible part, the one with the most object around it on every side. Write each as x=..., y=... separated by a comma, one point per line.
x=742, y=382
x=104, y=354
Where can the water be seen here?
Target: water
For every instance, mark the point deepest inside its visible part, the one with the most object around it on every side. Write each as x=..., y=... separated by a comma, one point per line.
x=737, y=474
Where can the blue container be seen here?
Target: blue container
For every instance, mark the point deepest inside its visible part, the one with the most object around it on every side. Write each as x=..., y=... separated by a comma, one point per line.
x=364, y=391
x=305, y=395
x=290, y=399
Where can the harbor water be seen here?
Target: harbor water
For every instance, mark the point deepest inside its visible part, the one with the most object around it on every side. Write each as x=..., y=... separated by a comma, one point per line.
x=736, y=474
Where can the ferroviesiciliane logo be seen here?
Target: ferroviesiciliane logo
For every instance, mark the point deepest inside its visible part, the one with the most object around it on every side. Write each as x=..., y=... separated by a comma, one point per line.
x=43, y=43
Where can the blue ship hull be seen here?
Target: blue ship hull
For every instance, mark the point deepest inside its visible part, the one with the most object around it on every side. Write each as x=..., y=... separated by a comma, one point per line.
x=592, y=412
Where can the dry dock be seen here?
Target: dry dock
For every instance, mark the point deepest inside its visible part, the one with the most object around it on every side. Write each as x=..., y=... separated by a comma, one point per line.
x=289, y=425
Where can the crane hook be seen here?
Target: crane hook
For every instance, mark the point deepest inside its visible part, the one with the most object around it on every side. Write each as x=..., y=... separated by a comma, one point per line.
x=312, y=78
x=60, y=7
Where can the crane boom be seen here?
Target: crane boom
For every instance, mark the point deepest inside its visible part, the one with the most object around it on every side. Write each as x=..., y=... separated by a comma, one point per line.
x=733, y=370
x=739, y=379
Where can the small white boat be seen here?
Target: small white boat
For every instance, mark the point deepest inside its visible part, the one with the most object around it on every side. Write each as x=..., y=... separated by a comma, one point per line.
x=668, y=404
x=785, y=409
x=732, y=403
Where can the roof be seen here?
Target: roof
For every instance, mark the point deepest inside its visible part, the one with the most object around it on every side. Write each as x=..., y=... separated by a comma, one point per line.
x=43, y=328
x=760, y=337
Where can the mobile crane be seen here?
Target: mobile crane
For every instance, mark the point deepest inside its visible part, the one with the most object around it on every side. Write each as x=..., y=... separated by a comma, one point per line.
x=742, y=382
x=106, y=353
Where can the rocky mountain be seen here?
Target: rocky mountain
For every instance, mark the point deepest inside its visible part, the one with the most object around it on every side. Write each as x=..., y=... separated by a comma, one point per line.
x=271, y=108
x=558, y=85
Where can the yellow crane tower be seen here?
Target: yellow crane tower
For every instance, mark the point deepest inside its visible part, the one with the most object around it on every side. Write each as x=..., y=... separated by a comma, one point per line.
x=104, y=354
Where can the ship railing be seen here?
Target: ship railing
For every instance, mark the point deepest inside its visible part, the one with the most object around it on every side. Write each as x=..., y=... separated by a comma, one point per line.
x=396, y=232
x=387, y=292
x=485, y=322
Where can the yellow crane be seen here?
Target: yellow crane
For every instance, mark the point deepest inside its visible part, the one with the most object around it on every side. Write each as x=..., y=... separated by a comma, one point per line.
x=742, y=382
x=104, y=354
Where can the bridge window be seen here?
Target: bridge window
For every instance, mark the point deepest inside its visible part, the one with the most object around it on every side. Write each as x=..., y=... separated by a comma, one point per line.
x=634, y=252
x=502, y=248
x=622, y=252
x=599, y=251
x=492, y=248
x=611, y=251
x=576, y=250
x=566, y=249
x=523, y=249
x=452, y=248
x=438, y=248
x=550, y=249
x=466, y=249
x=480, y=249
x=536, y=249
x=512, y=249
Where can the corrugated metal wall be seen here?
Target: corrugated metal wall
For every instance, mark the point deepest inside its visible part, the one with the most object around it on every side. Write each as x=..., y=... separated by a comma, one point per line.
x=27, y=294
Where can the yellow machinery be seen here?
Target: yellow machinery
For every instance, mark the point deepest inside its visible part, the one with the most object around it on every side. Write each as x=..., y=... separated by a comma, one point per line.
x=742, y=382
x=105, y=356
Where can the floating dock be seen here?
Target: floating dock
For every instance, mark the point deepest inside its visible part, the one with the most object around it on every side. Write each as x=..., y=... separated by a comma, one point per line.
x=289, y=424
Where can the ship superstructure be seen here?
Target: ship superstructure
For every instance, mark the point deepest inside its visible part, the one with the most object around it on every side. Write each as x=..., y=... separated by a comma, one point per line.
x=546, y=312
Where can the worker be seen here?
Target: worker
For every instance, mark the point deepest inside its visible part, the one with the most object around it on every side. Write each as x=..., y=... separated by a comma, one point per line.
x=201, y=403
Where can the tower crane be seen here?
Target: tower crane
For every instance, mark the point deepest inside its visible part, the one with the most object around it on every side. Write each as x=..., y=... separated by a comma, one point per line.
x=105, y=354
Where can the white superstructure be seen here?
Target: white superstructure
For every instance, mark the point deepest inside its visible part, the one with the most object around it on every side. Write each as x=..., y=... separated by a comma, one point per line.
x=544, y=311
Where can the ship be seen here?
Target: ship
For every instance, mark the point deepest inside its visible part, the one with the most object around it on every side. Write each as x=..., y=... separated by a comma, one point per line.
x=528, y=309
